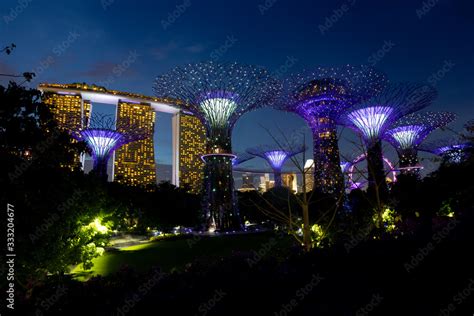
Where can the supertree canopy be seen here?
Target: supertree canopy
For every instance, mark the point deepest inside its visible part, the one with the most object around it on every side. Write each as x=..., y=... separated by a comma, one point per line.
x=320, y=97
x=240, y=158
x=218, y=94
x=452, y=150
x=103, y=137
x=410, y=131
x=372, y=118
x=276, y=156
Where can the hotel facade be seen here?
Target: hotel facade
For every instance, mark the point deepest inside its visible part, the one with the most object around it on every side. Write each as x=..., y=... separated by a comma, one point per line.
x=134, y=163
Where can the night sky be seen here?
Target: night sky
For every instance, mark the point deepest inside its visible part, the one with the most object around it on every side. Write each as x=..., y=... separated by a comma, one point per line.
x=124, y=45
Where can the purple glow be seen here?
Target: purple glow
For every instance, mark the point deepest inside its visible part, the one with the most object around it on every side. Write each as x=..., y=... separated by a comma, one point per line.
x=276, y=158
x=417, y=167
x=453, y=153
x=408, y=136
x=411, y=130
x=453, y=150
x=345, y=165
x=356, y=185
x=102, y=142
x=352, y=169
x=241, y=158
x=371, y=121
x=445, y=149
x=130, y=101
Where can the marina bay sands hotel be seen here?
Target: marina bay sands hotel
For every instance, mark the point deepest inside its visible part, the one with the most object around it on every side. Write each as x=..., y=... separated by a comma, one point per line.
x=134, y=163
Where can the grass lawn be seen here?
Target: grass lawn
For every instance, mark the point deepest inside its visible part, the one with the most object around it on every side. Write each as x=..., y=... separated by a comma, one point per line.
x=176, y=253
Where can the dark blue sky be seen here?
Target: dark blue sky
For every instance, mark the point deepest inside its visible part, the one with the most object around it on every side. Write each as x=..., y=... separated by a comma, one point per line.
x=124, y=45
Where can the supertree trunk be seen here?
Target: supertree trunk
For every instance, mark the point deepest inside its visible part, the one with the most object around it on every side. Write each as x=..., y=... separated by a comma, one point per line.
x=277, y=178
x=100, y=167
x=219, y=197
x=218, y=94
x=328, y=177
x=376, y=172
x=408, y=159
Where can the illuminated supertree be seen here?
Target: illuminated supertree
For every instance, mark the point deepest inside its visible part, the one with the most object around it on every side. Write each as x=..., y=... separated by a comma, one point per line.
x=240, y=158
x=346, y=163
x=103, y=136
x=320, y=97
x=276, y=156
x=218, y=95
x=410, y=131
x=372, y=118
x=452, y=150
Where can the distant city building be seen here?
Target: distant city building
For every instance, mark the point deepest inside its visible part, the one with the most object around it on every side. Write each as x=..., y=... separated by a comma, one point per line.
x=309, y=171
x=262, y=186
x=69, y=110
x=270, y=185
x=265, y=183
x=164, y=172
x=289, y=181
x=135, y=162
x=248, y=181
x=192, y=145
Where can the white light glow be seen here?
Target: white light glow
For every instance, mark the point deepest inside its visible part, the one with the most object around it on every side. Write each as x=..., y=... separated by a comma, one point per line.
x=407, y=136
x=370, y=121
x=218, y=110
x=276, y=158
x=101, y=145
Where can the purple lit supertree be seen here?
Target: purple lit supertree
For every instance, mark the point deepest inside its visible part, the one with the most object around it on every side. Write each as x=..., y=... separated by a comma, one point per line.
x=452, y=150
x=372, y=118
x=103, y=136
x=276, y=156
x=346, y=163
x=410, y=131
x=218, y=94
x=240, y=158
x=320, y=97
